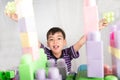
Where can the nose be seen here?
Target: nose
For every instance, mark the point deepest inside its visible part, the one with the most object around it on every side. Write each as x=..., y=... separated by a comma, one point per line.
x=55, y=41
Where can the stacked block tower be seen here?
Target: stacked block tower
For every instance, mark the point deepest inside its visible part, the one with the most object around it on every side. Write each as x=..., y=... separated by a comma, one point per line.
x=115, y=49
x=94, y=45
x=33, y=58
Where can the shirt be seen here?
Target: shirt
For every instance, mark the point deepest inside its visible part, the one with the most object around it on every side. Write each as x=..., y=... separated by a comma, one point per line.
x=68, y=54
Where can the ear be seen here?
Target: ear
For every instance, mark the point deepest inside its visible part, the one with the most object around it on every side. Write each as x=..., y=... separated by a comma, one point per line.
x=65, y=42
x=47, y=44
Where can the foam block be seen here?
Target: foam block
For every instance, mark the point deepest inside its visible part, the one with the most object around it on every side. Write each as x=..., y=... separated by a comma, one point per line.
x=95, y=68
x=90, y=16
x=94, y=50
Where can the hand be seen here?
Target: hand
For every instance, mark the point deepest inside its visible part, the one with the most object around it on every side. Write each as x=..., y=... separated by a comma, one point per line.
x=103, y=23
x=13, y=16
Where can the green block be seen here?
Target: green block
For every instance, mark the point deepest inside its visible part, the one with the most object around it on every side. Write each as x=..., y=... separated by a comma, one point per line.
x=81, y=74
x=2, y=75
x=26, y=72
x=10, y=74
x=41, y=62
x=70, y=77
x=27, y=67
x=87, y=78
x=110, y=77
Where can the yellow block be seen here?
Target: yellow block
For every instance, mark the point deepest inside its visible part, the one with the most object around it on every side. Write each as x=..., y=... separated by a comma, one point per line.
x=24, y=39
x=115, y=52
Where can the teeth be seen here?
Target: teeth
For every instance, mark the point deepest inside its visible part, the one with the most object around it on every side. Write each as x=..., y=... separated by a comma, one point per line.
x=55, y=47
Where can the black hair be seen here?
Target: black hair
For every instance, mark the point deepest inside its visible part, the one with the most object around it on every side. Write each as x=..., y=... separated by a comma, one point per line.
x=54, y=30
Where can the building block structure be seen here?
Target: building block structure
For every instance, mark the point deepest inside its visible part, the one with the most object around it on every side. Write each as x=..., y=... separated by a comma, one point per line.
x=115, y=49
x=94, y=45
x=27, y=29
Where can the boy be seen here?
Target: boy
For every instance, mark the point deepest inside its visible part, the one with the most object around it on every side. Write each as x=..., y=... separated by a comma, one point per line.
x=56, y=40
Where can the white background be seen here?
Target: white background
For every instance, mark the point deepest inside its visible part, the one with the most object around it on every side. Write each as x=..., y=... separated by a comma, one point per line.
x=67, y=14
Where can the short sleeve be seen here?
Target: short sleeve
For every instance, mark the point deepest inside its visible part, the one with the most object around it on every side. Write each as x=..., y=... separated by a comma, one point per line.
x=71, y=52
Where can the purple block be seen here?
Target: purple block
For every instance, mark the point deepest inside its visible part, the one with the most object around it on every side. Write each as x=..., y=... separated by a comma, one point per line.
x=27, y=24
x=61, y=62
x=95, y=68
x=21, y=25
x=51, y=63
x=94, y=36
x=94, y=50
x=40, y=74
x=62, y=66
x=117, y=39
x=53, y=73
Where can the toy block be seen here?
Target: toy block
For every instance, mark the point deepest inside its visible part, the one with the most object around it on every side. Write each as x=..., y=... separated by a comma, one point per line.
x=87, y=78
x=51, y=63
x=26, y=72
x=94, y=50
x=95, y=68
x=33, y=39
x=89, y=2
x=71, y=76
x=81, y=74
x=110, y=77
x=62, y=66
x=94, y=36
x=28, y=67
x=24, y=40
x=41, y=63
x=26, y=24
x=21, y=25
x=24, y=8
x=117, y=39
x=107, y=70
x=90, y=16
x=27, y=50
x=2, y=75
x=82, y=67
x=10, y=74
x=109, y=16
x=40, y=74
x=115, y=52
x=53, y=74
x=29, y=39
x=115, y=66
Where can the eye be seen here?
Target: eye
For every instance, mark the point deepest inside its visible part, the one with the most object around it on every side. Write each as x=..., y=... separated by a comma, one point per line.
x=51, y=39
x=59, y=38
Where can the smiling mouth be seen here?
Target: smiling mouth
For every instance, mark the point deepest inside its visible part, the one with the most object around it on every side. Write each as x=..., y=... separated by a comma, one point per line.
x=56, y=47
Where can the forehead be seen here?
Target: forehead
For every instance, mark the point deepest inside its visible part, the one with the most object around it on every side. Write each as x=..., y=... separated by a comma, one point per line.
x=57, y=34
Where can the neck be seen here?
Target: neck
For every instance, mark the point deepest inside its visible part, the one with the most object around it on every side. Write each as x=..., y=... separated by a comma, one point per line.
x=57, y=55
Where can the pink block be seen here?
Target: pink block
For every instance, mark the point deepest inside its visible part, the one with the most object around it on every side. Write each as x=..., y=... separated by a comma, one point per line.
x=27, y=50
x=95, y=68
x=112, y=43
x=94, y=50
x=89, y=2
x=90, y=19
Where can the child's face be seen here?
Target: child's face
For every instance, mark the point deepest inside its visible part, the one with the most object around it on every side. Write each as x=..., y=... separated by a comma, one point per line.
x=56, y=42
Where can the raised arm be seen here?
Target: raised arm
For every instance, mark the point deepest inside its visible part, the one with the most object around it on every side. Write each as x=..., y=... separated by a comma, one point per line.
x=102, y=24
